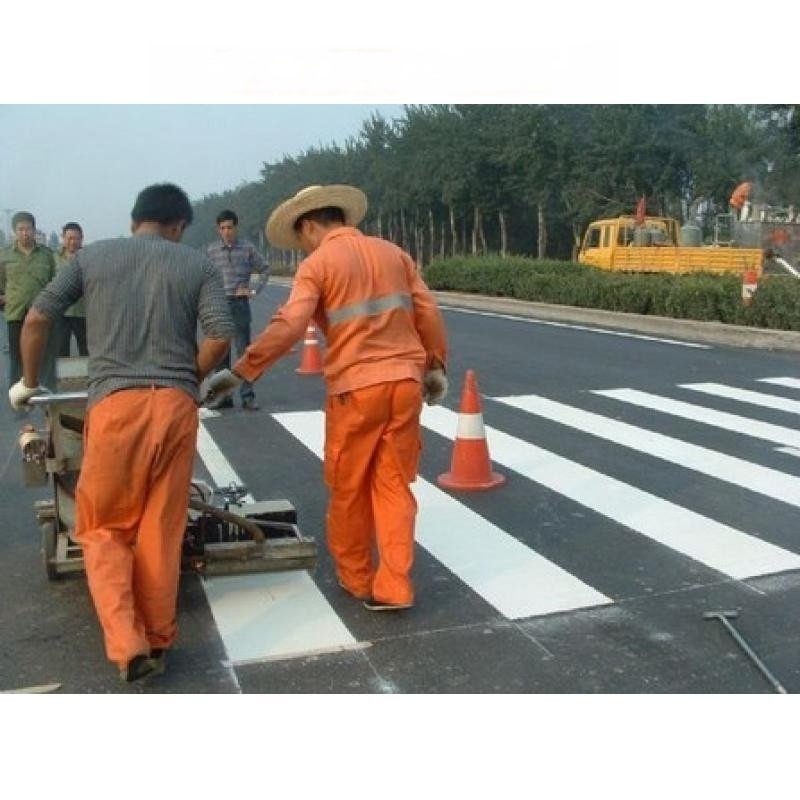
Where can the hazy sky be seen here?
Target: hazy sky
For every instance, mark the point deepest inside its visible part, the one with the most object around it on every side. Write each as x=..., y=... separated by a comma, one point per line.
x=87, y=162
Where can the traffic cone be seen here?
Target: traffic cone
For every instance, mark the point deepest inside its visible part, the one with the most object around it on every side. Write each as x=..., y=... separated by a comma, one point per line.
x=311, y=362
x=470, y=469
x=749, y=286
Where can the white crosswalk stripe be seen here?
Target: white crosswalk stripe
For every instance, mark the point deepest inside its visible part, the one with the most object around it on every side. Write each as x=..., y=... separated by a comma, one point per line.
x=714, y=544
x=517, y=581
x=719, y=419
x=737, y=471
x=279, y=616
x=792, y=383
x=745, y=396
x=267, y=616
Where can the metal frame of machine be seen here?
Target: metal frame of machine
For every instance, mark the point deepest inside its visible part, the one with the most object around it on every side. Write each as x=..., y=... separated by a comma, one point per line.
x=224, y=536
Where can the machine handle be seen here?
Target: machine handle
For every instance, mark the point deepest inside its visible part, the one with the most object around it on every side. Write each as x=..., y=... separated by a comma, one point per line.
x=62, y=397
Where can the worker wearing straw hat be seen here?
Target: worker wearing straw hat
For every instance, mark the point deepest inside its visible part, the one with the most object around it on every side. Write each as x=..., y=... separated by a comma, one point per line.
x=386, y=351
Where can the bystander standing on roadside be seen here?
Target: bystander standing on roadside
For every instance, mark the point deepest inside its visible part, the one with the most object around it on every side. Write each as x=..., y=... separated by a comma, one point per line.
x=237, y=259
x=73, y=322
x=25, y=269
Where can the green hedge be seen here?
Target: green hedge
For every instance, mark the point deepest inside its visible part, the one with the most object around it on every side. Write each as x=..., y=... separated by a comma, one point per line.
x=700, y=296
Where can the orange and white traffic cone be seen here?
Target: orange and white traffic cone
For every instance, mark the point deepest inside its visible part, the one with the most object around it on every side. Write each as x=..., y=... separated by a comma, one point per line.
x=749, y=286
x=471, y=468
x=311, y=362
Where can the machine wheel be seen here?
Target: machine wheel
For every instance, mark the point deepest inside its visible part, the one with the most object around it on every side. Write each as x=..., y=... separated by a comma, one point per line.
x=49, y=540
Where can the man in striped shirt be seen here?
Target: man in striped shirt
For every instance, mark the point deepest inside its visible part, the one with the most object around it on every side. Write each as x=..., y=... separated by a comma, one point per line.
x=237, y=259
x=144, y=298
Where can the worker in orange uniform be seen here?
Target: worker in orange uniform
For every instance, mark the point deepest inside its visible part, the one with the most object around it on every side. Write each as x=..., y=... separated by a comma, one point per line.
x=144, y=298
x=386, y=351
x=740, y=197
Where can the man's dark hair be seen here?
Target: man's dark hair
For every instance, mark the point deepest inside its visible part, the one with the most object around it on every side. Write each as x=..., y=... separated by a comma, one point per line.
x=324, y=216
x=23, y=216
x=72, y=226
x=226, y=216
x=163, y=203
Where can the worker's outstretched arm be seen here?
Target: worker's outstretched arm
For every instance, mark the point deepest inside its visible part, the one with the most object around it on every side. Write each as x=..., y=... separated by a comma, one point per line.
x=209, y=354
x=287, y=325
x=32, y=343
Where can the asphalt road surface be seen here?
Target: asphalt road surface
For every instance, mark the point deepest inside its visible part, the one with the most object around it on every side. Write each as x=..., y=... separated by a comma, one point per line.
x=649, y=480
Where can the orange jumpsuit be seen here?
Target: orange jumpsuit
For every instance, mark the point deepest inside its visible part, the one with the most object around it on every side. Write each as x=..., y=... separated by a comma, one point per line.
x=131, y=530
x=740, y=195
x=383, y=331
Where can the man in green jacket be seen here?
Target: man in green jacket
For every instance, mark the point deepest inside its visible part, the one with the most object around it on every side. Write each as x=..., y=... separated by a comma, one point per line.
x=25, y=269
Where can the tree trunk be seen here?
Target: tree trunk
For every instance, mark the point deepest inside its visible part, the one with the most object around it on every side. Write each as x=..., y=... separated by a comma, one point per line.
x=576, y=240
x=476, y=217
x=453, y=231
x=482, y=235
x=380, y=223
x=542, y=243
x=441, y=252
x=431, y=230
x=403, y=230
x=503, y=234
x=464, y=235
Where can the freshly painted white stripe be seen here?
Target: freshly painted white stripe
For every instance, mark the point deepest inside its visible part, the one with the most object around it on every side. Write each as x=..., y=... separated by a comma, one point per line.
x=267, y=615
x=792, y=383
x=745, y=396
x=514, y=579
x=719, y=546
x=709, y=416
x=219, y=468
x=207, y=413
x=764, y=480
x=275, y=615
x=553, y=324
x=470, y=426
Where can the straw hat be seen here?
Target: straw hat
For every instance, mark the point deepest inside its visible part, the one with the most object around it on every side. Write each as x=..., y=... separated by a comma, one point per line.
x=280, y=225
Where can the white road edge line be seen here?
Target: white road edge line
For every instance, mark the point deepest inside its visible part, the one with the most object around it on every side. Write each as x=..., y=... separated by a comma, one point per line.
x=575, y=327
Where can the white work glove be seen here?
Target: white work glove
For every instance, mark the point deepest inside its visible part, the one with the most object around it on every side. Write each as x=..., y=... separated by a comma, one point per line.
x=435, y=383
x=220, y=385
x=19, y=394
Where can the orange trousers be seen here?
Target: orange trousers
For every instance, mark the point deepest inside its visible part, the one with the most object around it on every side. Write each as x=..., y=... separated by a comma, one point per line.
x=132, y=498
x=372, y=448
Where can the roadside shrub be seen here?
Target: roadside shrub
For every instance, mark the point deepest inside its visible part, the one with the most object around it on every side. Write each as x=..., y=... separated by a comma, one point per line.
x=700, y=296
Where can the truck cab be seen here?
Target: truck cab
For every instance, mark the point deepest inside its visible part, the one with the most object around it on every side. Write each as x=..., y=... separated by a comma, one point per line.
x=603, y=237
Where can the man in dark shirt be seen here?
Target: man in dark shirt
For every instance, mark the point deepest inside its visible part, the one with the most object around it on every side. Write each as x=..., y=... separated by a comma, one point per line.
x=237, y=259
x=144, y=298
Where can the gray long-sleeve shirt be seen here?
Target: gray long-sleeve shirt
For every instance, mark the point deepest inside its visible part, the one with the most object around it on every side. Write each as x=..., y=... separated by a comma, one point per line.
x=144, y=298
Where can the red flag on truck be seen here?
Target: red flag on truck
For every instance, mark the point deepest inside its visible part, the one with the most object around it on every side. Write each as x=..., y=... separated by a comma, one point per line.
x=641, y=210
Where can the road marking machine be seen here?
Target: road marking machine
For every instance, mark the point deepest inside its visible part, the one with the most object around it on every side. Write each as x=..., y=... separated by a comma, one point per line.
x=224, y=536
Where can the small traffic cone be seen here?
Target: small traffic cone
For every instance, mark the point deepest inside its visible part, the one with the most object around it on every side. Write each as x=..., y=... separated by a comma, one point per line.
x=311, y=362
x=470, y=469
x=749, y=286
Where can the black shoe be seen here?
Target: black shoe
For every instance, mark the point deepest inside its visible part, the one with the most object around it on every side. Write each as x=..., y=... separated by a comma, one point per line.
x=140, y=667
x=379, y=605
x=223, y=402
x=159, y=658
x=250, y=404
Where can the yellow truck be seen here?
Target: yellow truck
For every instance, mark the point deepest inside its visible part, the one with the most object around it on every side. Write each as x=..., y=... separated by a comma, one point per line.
x=657, y=244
